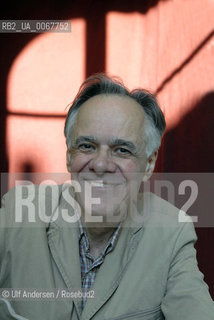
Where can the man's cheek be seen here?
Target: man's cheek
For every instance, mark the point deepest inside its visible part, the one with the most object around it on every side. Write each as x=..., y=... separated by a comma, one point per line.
x=131, y=165
x=78, y=162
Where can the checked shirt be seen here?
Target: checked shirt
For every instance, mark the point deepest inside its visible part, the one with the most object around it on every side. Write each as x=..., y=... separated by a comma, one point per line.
x=89, y=265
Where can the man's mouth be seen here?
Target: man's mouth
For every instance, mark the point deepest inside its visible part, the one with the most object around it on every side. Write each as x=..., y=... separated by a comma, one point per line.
x=102, y=184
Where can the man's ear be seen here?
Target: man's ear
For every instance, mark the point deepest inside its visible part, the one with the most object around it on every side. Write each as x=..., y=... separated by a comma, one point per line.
x=150, y=165
x=68, y=160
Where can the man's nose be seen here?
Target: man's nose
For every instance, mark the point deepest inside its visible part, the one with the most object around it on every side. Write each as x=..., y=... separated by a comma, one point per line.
x=102, y=162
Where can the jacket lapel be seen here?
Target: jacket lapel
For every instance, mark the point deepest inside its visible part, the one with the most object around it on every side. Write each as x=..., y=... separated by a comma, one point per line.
x=111, y=271
x=64, y=246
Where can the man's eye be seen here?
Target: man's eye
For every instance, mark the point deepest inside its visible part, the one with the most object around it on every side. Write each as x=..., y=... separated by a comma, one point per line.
x=122, y=151
x=86, y=147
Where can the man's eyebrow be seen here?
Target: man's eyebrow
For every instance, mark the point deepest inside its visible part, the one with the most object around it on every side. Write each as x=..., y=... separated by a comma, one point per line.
x=124, y=143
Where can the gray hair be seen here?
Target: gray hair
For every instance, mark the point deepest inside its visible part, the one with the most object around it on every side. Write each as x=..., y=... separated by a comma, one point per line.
x=103, y=84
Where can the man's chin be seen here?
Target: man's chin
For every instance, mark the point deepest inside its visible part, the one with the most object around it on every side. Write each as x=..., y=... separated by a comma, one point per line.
x=101, y=226
x=101, y=217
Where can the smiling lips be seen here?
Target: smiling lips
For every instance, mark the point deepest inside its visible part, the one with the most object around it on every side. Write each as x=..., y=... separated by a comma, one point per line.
x=103, y=184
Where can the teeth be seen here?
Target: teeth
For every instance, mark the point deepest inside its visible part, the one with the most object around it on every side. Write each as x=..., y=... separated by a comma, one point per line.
x=97, y=184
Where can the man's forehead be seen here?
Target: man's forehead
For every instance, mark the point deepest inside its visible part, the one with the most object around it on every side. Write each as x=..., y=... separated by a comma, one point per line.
x=110, y=117
x=112, y=104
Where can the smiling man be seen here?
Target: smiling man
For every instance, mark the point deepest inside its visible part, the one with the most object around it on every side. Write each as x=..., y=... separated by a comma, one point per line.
x=128, y=251
x=108, y=153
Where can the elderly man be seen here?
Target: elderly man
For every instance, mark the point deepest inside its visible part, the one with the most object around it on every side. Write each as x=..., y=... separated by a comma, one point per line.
x=129, y=251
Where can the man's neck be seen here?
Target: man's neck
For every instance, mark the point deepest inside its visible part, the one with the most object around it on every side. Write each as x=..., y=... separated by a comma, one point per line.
x=98, y=237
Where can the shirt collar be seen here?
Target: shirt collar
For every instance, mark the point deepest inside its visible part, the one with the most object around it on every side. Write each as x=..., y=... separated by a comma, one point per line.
x=84, y=241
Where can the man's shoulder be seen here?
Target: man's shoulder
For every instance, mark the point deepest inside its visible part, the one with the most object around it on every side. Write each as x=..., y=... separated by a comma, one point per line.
x=165, y=227
x=24, y=203
x=32, y=190
x=158, y=211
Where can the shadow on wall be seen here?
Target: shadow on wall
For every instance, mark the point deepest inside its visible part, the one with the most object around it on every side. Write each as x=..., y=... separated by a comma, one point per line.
x=28, y=169
x=189, y=147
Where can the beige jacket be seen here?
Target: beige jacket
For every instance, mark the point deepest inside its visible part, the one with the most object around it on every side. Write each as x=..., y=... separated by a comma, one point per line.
x=151, y=274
